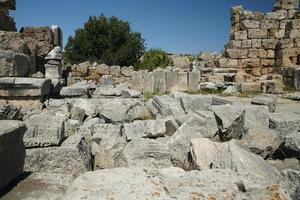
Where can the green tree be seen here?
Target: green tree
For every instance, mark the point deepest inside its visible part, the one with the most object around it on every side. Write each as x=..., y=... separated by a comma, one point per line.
x=153, y=59
x=105, y=40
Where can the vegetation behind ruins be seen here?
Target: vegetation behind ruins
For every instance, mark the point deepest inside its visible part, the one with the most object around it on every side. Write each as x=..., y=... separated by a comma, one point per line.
x=105, y=40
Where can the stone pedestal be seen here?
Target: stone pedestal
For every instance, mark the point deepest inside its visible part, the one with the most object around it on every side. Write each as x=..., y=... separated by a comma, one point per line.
x=297, y=79
x=53, y=71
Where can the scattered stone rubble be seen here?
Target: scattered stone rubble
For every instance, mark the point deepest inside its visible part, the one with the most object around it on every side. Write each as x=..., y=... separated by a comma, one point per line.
x=109, y=132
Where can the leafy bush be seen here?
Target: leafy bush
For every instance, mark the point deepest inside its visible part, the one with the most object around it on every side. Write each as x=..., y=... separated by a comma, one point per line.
x=153, y=59
x=105, y=40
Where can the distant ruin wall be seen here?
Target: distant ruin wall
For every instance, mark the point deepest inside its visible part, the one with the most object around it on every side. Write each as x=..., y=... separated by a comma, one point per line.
x=265, y=43
x=6, y=22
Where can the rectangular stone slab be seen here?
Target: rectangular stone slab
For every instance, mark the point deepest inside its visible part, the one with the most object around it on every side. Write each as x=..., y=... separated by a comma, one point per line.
x=23, y=87
x=12, y=150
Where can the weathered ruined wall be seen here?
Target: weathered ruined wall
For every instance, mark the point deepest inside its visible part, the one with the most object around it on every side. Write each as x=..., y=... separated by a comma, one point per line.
x=265, y=43
x=6, y=22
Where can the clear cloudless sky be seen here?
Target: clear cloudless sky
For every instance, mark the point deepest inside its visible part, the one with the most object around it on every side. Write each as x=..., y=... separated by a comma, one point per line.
x=178, y=26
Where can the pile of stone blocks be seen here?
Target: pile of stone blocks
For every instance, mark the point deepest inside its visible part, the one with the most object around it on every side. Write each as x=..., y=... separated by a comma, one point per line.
x=94, y=72
x=264, y=43
x=6, y=22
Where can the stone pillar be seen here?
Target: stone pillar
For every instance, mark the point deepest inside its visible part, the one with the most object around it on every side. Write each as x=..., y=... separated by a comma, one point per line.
x=160, y=86
x=193, y=82
x=57, y=36
x=182, y=81
x=297, y=79
x=148, y=83
x=171, y=81
x=137, y=81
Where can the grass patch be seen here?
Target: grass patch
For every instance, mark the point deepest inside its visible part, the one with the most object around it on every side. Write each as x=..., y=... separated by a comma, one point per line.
x=288, y=89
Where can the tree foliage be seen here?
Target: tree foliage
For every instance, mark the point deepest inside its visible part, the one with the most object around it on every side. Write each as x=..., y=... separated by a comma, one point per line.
x=153, y=59
x=105, y=40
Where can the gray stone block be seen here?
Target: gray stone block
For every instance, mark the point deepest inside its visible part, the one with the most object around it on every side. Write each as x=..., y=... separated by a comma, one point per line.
x=148, y=83
x=160, y=85
x=12, y=150
x=193, y=82
x=171, y=81
x=297, y=79
x=137, y=81
x=182, y=81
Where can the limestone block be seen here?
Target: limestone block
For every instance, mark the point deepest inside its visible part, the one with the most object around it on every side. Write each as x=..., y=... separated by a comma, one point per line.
x=115, y=71
x=44, y=129
x=269, y=43
x=286, y=4
x=297, y=79
x=148, y=83
x=171, y=81
x=193, y=82
x=276, y=33
x=137, y=81
x=233, y=44
x=53, y=71
x=227, y=63
x=257, y=33
x=286, y=43
x=277, y=15
x=237, y=53
x=21, y=87
x=251, y=87
x=107, y=80
x=267, y=62
x=12, y=151
x=272, y=86
x=126, y=71
x=14, y=64
x=269, y=24
x=160, y=85
x=240, y=35
x=247, y=24
x=182, y=81
x=246, y=44
x=294, y=33
x=256, y=43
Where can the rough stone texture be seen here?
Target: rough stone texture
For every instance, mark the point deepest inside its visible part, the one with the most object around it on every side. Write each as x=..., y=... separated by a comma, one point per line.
x=12, y=150
x=267, y=100
x=44, y=129
x=145, y=153
x=171, y=183
x=80, y=89
x=148, y=83
x=166, y=106
x=116, y=111
x=212, y=155
x=171, y=81
x=24, y=87
x=14, y=64
x=262, y=141
x=37, y=186
x=107, y=145
x=297, y=79
x=61, y=160
x=137, y=81
x=193, y=82
x=285, y=123
x=292, y=142
x=145, y=129
x=160, y=86
x=182, y=82
x=202, y=124
x=195, y=103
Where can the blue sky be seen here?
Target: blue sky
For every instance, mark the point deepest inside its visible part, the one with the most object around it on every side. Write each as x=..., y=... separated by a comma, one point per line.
x=179, y=26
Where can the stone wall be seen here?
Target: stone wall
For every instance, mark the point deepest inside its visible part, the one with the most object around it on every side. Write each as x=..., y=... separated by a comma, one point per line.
x=6, y=22
x=265, y=43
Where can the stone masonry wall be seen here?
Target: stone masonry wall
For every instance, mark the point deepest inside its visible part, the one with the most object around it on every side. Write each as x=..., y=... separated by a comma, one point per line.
x=6, y=22
x=265, y=43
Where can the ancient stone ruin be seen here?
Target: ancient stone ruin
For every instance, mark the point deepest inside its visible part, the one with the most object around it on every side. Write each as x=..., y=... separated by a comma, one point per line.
x=219, y=128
